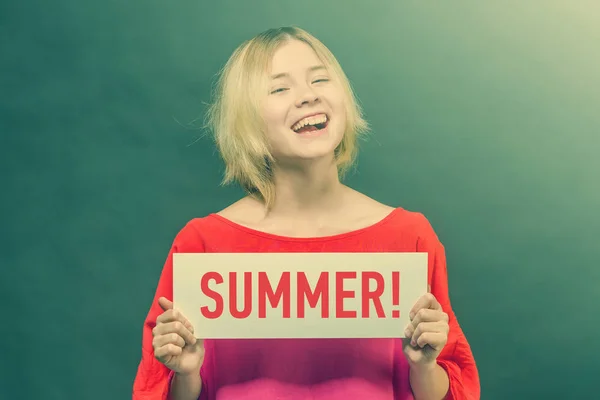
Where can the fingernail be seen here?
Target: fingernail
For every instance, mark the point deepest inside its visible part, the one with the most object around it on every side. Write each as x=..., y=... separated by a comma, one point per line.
x=407, y=332
x=413, y=343
x=411, y=315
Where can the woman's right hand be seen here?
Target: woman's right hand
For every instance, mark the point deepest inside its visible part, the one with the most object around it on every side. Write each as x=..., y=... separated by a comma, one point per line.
x=174, y=342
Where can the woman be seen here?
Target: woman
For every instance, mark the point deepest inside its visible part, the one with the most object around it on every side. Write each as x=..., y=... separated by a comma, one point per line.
x=286, y=124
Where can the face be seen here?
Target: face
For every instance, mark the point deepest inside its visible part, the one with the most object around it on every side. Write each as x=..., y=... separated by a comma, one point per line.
x=304, y=108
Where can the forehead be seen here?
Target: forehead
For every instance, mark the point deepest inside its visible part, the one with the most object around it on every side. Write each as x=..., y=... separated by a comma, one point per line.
x=292, y=57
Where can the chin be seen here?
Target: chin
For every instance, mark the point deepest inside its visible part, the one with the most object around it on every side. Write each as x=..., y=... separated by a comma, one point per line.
x=315, y=153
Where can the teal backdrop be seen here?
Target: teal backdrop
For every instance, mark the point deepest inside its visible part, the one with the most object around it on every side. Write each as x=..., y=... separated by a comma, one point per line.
x=485, y=117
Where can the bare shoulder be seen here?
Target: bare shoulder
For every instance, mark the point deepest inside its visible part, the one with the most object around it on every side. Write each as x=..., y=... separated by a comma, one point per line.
x=365, y=207
x=356, y=211
x=246, y=210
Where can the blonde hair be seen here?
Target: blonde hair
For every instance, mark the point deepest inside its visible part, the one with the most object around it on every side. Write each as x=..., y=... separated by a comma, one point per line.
x=236, y=122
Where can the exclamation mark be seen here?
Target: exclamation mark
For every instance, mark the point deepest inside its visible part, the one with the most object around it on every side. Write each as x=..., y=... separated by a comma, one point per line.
x=396, y=293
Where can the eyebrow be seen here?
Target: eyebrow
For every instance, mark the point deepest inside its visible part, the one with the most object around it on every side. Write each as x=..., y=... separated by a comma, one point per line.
x=311, y=69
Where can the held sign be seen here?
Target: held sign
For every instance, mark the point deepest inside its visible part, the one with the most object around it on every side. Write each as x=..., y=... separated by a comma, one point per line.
x=298, y=295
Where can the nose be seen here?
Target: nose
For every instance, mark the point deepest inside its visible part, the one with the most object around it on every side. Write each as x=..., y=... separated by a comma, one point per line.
x=306, y=96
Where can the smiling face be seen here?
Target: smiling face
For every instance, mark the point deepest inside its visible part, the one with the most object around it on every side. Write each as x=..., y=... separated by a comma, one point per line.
x=303, y=111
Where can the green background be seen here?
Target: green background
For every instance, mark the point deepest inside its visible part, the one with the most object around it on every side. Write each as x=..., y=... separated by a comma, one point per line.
x=486, y=118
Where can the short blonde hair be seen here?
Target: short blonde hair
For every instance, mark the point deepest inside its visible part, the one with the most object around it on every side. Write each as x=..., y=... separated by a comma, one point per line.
x=235, y=120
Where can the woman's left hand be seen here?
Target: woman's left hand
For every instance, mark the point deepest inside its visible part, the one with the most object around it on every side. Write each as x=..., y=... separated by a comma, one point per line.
x=427, y=333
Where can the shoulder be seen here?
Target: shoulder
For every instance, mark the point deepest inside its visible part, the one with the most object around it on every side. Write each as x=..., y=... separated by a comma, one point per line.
x=408, y=227
x=189, y=237
x=363, y=210
x=396, y=218
x=245, y=211
x=411, y=226
x=196, y=231
x=420, y=224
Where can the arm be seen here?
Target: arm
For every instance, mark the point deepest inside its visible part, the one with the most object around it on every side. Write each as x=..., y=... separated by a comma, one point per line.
x=455, y=376
x=429, y=382
x=153, y=380
x=185, y=387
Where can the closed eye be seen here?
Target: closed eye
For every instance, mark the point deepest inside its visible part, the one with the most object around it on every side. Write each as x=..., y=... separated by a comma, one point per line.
x=278, y=90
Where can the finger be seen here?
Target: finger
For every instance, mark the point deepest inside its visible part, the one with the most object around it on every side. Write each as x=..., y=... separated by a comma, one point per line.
x=436, y=340
x=167, y=350
x=428, y=327
x=174, y=327
x=424, y=319
x=172, y=338
x=429, y=315
x=426, y=301
x=174, y=315
x=165, y=304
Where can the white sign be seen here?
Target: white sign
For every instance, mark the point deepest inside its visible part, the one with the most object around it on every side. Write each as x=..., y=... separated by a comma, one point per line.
x=298, y=295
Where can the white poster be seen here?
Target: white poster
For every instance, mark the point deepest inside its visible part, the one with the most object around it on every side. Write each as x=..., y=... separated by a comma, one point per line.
x=298, y=295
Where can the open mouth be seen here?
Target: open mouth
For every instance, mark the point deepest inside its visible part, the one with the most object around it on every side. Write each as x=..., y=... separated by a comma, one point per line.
x=311, y=124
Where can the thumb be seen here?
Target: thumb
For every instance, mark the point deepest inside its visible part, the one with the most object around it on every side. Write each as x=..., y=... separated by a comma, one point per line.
x=165, y=304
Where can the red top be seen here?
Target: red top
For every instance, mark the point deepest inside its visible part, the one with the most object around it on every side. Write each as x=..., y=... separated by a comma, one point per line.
x=316, y=369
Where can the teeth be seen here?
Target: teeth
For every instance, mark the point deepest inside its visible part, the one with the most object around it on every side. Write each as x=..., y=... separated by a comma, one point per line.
x=315, y=119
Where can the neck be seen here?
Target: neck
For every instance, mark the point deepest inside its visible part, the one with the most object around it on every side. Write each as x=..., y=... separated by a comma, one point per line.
x=310, y=191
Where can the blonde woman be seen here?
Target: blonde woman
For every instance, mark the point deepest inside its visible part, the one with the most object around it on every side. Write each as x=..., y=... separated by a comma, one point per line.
x=286, y=123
